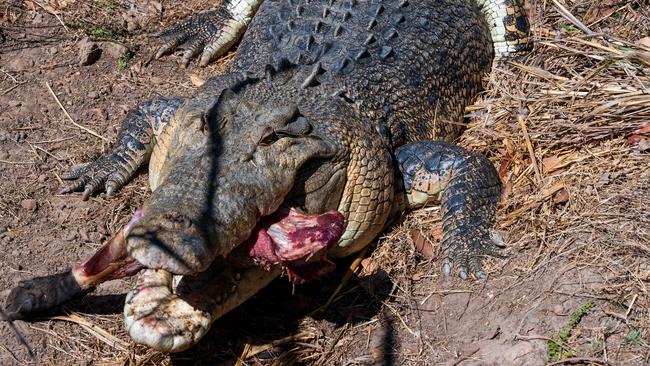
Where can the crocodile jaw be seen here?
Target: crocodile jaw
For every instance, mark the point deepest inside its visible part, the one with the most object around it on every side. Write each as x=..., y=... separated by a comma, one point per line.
x=172, y=321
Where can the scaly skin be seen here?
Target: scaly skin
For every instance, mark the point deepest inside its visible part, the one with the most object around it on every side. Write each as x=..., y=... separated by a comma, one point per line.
x=322, y=103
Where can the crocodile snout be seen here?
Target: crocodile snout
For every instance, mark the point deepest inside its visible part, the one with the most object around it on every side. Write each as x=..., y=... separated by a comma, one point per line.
x=172, y=241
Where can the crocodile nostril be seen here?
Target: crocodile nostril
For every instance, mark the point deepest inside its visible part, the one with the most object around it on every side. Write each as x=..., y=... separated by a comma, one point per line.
x=178, y=219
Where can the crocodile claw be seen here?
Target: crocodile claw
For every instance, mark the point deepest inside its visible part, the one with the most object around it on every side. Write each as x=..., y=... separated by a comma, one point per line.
x=202, y=34
x=465, y=254
x=91, y=177
x=211, y=33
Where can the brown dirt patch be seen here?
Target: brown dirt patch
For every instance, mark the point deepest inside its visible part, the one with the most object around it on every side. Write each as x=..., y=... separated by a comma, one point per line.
x=574, y=217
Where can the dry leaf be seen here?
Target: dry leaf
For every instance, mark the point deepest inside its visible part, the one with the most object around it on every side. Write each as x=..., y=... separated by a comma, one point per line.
x=643, y=130
x=550, y=163
x=503, y=168
x=561, y=196
x=634, y=139
x=368, y=265
x=422, y=244
x=645, y=42
x=507, y=190
x=197, y=80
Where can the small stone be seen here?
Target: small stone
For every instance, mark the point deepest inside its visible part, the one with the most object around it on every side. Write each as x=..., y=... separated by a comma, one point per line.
x=99, y=114
x=43, y=177
x=14, y=103
x=54, y=50
x=131, y=20
x=156, y=6
x=29, y=204
x=89, y=52
x=95, y=237
x=83, y=233
x=157, y=80
x=69, y=235
x=24, y=61
x=114, y=49
x=38, y=19
x=92, y=95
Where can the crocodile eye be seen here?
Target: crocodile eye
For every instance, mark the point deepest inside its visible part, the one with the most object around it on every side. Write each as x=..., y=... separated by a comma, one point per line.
x=206, y=127
x=268, y=137
x=297, y=128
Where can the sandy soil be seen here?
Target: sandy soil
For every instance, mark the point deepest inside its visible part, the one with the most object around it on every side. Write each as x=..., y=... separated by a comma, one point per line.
x=574, y=216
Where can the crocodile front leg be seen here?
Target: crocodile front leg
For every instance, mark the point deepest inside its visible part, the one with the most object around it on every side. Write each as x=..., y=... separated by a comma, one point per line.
x=133, y=148
x=468, y=188
x=212, y=32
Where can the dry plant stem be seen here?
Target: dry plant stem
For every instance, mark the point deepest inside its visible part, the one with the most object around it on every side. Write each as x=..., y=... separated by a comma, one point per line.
x=94, y=330
x=568, y=16
x=19, y=336
x=53, y=13
x=581, y=361
x=353, y=268
x=244, y=355
x=13, y=87
x=529, y=146
x=255, y=350
x=70, y=118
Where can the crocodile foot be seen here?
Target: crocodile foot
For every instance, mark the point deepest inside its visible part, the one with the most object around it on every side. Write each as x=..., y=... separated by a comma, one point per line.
x=467, y=253
x=468, y=188
x=210, y=33
x=92, y=176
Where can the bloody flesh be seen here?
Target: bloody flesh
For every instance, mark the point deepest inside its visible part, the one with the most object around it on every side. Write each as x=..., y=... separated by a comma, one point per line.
x=295, y=241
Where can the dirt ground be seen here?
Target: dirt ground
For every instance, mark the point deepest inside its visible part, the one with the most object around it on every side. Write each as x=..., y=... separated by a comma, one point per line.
x=568, y=126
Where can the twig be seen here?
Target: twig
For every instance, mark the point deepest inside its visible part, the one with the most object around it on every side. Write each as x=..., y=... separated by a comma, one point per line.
x=336, y=340
x=95, y=330
x=13, y=87
x=70, y=118
x=580, y=360
x=17, y=162
x=568, y=16
x=522, y=123
x=353, y=268
x=629, y=308
x=53, y=13
x=20, y=337
x=8, y=74
x=244, y=354
x=255, y=350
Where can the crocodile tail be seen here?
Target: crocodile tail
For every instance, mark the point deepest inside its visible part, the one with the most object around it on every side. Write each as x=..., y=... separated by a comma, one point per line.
x=508, y=24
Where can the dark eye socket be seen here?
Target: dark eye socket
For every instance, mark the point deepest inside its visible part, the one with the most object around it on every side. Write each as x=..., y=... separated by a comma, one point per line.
x=269, y=136
x=299, y=127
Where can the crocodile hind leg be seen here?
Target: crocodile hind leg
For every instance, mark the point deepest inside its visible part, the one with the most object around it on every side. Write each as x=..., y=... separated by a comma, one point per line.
x=212, y=32
x=133, y=148
x=468, y=189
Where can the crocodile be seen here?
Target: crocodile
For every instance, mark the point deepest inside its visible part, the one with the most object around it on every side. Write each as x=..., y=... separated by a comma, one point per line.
x=333, y=118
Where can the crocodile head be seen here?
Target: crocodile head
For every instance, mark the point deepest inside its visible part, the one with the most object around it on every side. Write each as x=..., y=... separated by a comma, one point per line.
x=230, y=163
